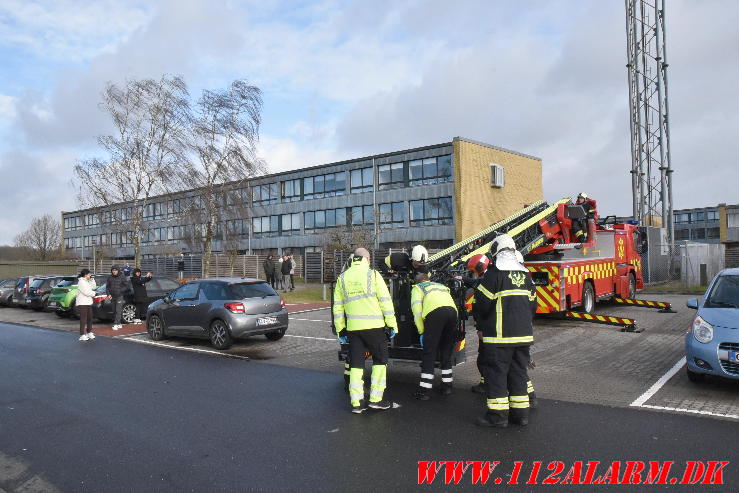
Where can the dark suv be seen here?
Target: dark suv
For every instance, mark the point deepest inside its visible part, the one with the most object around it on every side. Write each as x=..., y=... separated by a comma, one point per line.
x=20, y=291
x=38, y=293
x=102, y=306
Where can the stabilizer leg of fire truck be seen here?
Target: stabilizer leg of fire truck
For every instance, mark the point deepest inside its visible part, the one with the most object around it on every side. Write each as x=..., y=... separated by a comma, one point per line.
x=662, y=306
x=626, y=324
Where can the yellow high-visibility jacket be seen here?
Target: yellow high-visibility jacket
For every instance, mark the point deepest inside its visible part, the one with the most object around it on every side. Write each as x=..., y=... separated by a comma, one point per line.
x=362, y=300
x=426, y=297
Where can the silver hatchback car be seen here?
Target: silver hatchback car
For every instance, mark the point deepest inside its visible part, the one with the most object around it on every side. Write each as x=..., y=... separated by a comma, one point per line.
x=219, y=309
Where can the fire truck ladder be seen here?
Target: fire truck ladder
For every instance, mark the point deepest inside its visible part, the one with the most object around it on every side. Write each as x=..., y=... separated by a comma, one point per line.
x=523, y=227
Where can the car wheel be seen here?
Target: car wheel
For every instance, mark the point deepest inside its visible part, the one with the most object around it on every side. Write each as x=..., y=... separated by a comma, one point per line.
x=155, y=328
x=60, y=313
x=220, y=337
x=128, y=313
x=588, y=297
x=276, y=335
x=695, y=377
x=632, y=286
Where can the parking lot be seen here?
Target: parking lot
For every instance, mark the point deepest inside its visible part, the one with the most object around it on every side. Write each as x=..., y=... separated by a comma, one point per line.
x=575, y=361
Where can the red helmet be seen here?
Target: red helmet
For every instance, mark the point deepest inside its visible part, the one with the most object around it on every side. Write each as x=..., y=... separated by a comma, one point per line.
x=478, y=263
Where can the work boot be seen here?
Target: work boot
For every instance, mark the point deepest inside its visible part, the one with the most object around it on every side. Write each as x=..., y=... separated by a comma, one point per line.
x=382, y=405
x=445, y=389
x=479, y=388
x=360, y=408
x=485, y=421
x=421, y=395
x=518, y=420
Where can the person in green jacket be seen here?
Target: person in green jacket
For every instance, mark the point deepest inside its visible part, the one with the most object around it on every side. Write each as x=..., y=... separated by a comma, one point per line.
x=362, y=311
x=435, y=315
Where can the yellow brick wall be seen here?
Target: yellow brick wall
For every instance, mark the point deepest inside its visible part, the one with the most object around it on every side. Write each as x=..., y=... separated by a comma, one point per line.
x=723, y=223
x=478, y=205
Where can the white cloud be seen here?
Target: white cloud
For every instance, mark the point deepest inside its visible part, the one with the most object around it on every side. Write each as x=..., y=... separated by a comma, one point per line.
x=7, y=107
x=284, y=154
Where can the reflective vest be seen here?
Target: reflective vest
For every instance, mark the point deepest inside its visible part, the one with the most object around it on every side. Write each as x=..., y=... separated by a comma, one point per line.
x=426, y=297
x=362, y=300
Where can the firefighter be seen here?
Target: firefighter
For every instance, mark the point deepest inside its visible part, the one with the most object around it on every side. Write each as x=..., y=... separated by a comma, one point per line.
x=505, y=302
x=478, y=265
x=580, y=225
x=362, y=313
x=435, y=315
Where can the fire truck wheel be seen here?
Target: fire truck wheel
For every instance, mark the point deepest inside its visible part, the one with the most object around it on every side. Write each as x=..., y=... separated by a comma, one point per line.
x=588, y=297
x=632, y=285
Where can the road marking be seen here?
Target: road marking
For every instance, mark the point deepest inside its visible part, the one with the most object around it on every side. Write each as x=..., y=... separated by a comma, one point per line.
x=309, y=337
x=185, y=348
x=639, y=402
x=311, y=310
x=308, y=320
x=123, y=336
x=692, y=411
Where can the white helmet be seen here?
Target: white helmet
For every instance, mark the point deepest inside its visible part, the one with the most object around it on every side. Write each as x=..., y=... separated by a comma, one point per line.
x=502, y=242
x=419, y=254
x=582, y=195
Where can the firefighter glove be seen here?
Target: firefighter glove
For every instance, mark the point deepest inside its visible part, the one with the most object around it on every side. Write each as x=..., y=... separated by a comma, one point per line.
x=343, y=340
x=392, y=333
x=421, y=339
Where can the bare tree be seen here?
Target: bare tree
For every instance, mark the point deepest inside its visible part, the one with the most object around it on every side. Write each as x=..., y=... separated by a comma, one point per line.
x=225, y=131
x=151, y=122
x=42, y=238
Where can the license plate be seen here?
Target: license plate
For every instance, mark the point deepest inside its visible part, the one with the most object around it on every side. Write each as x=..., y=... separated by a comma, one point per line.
x=28, y=301
x=52, y=303
x=266, y=321
x=734, y=356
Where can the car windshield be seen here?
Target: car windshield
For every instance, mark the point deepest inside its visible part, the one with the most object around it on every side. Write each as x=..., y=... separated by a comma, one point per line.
x=37, y=283
x=251, y=290
x=725, y=293
x=66, y=283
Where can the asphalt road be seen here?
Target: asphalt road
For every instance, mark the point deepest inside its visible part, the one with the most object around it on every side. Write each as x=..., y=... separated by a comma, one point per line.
x=110, y=415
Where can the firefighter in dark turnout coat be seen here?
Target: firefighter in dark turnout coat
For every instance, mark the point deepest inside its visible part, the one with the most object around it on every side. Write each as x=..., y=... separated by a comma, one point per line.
x=505, y=303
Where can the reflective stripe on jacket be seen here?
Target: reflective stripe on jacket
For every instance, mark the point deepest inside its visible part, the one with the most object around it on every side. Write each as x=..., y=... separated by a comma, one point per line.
x=426, y=297
x=505, y=302
x=362, y=300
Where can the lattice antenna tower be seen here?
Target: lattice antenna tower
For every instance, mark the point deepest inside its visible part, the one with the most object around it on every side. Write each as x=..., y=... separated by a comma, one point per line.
x=651, y=174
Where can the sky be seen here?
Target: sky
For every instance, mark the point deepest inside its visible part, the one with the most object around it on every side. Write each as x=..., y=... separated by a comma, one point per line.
x=345, y=79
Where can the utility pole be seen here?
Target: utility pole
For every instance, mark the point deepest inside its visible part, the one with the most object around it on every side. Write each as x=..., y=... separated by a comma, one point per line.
x=651, y=173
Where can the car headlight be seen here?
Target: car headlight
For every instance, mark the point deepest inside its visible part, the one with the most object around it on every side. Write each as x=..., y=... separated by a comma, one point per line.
x=702, y=330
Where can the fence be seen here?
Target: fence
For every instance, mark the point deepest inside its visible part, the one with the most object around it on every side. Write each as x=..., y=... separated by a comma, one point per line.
x=15, y=269
x=686, y=264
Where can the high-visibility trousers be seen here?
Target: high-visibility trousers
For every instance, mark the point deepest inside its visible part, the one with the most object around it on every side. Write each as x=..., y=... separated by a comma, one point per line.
x=371, y=341
x=505, y=369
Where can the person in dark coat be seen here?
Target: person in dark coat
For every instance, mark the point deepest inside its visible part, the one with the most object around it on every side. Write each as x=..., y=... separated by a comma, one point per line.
x=140, y=298
x=286, y=267
x=116, y=284
x=269, y=270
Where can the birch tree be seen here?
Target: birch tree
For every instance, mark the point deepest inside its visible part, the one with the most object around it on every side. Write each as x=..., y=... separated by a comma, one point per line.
x=224, y=135
x=151, y=122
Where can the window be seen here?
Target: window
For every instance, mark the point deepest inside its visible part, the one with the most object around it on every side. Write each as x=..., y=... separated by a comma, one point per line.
x=361, y=180
x=700, y=216
x=330, y=185
x=430, y=170
x=266, y=226
x=362, y=215
x=682, y=234
x=683, y=217
x=72, y=223
x=237, y=198
x=712, y=215
x=698, y=234
x=215, y=291
x=250, y=290
x=497, y=176
x=266, y=194
x=290, y=223
x=332, y=218
x=186, y=292
x=237, y=227
x=392, y=214
x=291, y=190
x=431, y=211
x=713, y=233
x=391, y=176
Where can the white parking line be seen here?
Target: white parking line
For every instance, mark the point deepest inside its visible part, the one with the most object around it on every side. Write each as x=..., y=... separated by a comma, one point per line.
x=311, y=310
x=185, y=348
x=308, y=320
x=692, y=411
x=639, y=402
x=316, y=338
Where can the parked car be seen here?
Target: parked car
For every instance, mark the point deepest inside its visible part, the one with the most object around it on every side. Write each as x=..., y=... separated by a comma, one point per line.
x=102, y=305
x=712, y=343
x=64, y=295
x=7, y=286
x=221, y=309
x=37, y=297
x=21, y=289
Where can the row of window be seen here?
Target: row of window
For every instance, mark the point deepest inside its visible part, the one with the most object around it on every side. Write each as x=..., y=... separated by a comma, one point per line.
x=402, y=174
x=694, y=217
x=697, y=234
